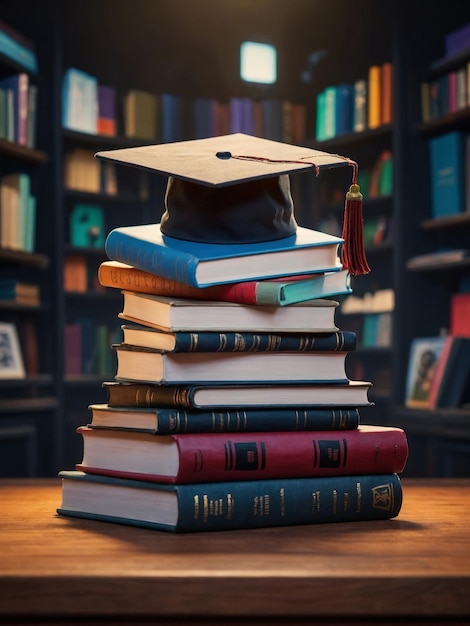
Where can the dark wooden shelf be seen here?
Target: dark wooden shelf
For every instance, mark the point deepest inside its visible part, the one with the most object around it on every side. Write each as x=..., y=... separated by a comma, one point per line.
x=28, y=405
x=27, y=258
x=447, y=423
x=105, y=141
x=7, y=305
x=110, y=294
x=459, y=118
x=14, y=150
x=449, y=221
x=349, y=139
x=446, y=64
x=40, y=380
x=439, y=266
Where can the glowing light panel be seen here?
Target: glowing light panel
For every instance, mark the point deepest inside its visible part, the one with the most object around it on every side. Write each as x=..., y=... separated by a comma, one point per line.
x=258, y=62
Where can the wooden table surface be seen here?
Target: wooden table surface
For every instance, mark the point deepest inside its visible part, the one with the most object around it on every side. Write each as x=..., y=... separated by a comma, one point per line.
x=62, y=570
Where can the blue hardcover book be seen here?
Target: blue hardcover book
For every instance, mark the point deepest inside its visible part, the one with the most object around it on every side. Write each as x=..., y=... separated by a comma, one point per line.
x=344, y=108
x=228, y=506
x=205, y=264
x=172, y=112
x=447, y=173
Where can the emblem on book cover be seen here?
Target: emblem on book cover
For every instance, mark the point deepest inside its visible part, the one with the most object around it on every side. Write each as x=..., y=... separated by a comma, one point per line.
x=382, y=497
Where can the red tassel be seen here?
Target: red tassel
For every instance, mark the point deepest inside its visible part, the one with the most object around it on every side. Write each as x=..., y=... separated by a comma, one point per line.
x=353, y=256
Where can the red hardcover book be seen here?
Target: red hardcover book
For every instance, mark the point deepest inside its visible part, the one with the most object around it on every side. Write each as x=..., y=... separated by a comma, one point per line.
x=213, y=457
x=460, y=314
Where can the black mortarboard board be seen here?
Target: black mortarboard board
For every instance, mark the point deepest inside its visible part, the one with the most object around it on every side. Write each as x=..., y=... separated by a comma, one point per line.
x=230, y=188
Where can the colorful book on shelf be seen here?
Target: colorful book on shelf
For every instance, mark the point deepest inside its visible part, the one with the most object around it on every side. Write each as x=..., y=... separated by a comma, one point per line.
x=79, y=101
x=138, y=364
x=315, y=395
x=374, y=97
x=460, y=314
x=232, y=505
x=447, y=173
x=214, y=457
x=171, y=420
x=18, y=86
x=209, y=341
x=176, y=314
x=451, y=380
x=205, y=264
x=279, y=291
x=141, y=114
x=20, y=292
x=344, y=108
x=386, y=93
x=360, y=120
x=107, y=116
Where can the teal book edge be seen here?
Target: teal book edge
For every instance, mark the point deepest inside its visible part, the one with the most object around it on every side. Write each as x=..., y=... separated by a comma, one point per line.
x=237, y=505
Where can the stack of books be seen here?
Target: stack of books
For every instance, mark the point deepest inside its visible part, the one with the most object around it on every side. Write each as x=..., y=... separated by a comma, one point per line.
x=230, y=410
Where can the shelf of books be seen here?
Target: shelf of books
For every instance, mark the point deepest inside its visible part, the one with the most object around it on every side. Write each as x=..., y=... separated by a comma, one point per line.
x=27, y=341
x=438, y=376
x=361, y=126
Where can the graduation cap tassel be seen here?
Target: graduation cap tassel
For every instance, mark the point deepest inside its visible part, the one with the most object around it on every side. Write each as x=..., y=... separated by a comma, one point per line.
x=353, y=256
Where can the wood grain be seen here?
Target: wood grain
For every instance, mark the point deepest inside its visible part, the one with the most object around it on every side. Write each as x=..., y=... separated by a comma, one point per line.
x=415, y=566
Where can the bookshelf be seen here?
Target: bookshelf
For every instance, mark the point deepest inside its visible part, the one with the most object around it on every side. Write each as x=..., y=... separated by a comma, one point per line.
x=29, y=405
x=58, y=401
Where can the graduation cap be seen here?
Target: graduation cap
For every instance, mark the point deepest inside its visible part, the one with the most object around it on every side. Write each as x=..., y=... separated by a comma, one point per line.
x=236, y=189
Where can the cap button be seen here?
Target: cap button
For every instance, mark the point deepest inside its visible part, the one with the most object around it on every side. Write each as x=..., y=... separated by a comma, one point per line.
x=223, y=155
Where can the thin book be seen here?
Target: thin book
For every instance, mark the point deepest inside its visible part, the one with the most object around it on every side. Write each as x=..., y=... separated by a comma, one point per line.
x=171, y=420
x=280, y=291
x=175, y=314
x=354, y=393
x=147, y=365
x=206, y=341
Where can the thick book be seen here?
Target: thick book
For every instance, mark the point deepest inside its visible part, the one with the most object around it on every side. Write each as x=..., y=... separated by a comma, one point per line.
x=206, y=341
x=205, y=264
x=171, y=420
x=177, y=314
x=450, y=383
x=350, y=394
x=275, y=292
x=139, y=364
x=233, y=505
x=214, y=457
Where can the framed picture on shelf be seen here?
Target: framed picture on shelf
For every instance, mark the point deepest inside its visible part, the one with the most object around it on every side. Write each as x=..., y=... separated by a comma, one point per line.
x=424, y=356
x=11, y=359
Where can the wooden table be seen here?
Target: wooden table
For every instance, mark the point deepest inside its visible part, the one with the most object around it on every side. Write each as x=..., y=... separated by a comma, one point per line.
x=415, y=568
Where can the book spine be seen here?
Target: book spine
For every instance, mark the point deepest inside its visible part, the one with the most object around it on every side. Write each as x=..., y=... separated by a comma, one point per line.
x=340, y=341
x=261, y=504
x=374, y=117
x=147, y=396
x=210, y=458
x=150, y=257
x=171, y=421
